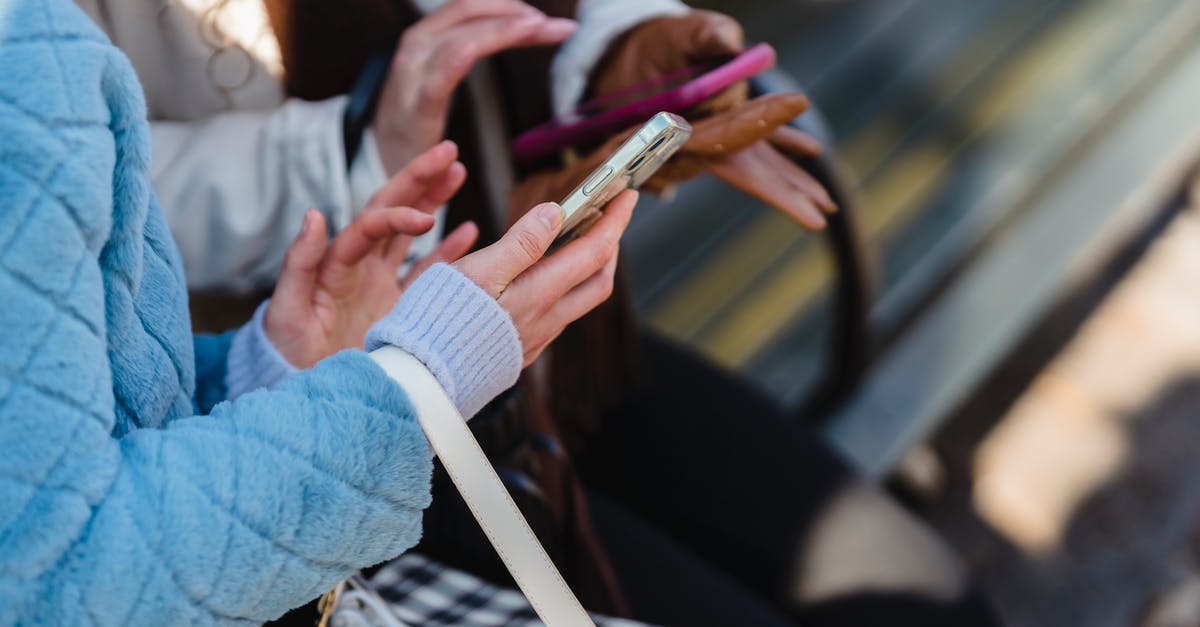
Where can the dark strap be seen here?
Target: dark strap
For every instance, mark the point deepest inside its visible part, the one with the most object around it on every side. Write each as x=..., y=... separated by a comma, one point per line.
x=364, y=99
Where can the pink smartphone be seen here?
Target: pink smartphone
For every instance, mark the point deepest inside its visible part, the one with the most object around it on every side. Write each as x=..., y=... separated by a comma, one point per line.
x=674, y=93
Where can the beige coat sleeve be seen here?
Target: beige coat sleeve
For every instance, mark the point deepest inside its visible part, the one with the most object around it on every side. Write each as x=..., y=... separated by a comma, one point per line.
x=235, y=164
x=235, y=186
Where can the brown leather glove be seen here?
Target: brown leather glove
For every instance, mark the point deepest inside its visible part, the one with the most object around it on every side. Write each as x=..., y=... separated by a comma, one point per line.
x=741, y=146
x=663, y=45
x=746, y=144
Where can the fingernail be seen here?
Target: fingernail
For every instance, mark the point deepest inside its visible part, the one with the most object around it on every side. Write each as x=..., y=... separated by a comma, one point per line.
x=308, y=218
x=550, y=214
x=560, y=26
x=528, y=21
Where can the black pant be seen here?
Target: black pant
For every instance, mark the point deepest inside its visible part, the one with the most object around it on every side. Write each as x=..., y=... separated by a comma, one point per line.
x=710, y=501
x=668, y=584
x=757, y=500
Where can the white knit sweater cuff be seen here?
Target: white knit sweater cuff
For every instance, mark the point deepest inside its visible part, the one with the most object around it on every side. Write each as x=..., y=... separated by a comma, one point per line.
x=253, y=361
x=459, y=332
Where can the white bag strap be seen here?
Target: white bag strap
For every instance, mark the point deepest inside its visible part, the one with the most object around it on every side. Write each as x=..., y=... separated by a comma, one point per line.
x=483, y=492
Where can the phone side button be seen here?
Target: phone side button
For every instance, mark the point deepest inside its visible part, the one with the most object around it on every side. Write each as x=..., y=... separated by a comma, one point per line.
x=597, y=179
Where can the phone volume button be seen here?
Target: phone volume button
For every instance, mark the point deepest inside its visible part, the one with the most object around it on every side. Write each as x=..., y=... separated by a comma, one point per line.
x=596, y=180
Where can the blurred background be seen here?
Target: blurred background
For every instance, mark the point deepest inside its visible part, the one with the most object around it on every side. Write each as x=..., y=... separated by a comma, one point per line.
x=1004, y=322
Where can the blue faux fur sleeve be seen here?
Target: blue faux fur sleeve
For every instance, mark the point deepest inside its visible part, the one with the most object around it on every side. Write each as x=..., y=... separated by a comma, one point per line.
x=117, y=505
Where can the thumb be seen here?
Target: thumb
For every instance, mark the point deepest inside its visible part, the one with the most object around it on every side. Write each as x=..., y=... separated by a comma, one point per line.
x=298, y=277
x=494, y=267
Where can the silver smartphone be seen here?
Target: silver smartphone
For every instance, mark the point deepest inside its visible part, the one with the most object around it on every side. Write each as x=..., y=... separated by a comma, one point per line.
x=631, y=165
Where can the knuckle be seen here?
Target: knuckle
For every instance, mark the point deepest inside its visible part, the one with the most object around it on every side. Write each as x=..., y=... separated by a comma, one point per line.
x=537, y=341
x=460, y=52
x=545, y=302
x=439, y=85
x=605, y=288
x=528, y=245
x=601, y=252
x=430, y=96
x=291, y=256
x=614, y=248
x=520, y=24
x=411, y=39
x=403, y=57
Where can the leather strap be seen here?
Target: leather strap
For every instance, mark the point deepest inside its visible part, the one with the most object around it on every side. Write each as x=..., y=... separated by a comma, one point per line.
x=483, y=492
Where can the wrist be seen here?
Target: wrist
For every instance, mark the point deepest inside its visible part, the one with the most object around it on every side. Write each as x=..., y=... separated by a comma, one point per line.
x=253, y=361
x=460, y=333
x=390, y=145
x=282, y=337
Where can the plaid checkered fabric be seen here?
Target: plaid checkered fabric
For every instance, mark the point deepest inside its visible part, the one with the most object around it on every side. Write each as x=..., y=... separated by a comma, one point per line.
x=419, y=591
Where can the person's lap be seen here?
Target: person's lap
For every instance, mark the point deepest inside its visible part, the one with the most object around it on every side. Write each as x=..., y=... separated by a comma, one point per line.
x=714, y=511
x=667, y=584
x=715, y=465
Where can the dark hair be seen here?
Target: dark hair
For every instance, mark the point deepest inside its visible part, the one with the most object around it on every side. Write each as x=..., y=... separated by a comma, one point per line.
x=324, y=45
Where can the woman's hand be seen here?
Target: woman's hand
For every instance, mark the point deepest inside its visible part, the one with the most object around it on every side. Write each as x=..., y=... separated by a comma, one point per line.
x=750, y=147
x=330, y=292
x=545, y=294
x=745, y=143
x=661, y=46
x=435, y=55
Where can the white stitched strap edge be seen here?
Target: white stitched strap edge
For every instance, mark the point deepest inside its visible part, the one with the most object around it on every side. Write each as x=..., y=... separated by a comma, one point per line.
x=483, y=492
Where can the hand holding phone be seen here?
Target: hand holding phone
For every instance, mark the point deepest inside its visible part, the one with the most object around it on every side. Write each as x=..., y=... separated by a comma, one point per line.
x=543, y=294
x=673, y=93
x=632, y=164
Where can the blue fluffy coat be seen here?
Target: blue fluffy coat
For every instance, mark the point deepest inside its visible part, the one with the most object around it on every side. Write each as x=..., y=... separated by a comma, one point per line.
x=118, y=505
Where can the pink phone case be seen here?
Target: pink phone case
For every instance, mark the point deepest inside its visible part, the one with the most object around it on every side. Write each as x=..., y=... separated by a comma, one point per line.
x=574, y=129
